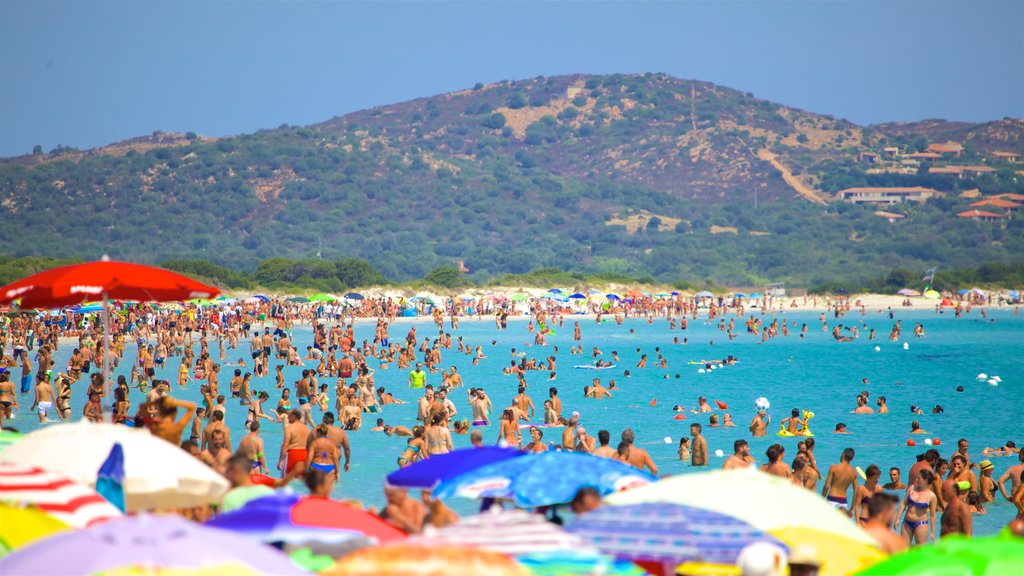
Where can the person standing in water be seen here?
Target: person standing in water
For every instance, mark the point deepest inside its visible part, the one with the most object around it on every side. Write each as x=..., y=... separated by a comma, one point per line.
x=840, y=478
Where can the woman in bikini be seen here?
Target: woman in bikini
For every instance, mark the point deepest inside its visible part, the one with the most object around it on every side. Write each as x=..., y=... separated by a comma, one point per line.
x=415, y=448
x=256, y=409
x=865, y=492
x=121, y=405
x=323, y=454
x=509, y=430
x=921, y=506
x=438, y=437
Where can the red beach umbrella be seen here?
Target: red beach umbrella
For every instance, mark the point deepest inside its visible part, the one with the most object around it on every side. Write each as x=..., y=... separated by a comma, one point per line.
x=78, y=283
x=75, y=504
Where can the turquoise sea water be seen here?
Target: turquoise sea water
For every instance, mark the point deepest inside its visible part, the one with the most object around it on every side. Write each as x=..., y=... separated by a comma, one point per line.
x=816, y=374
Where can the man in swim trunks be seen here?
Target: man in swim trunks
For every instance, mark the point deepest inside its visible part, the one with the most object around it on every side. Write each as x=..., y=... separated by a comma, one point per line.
x=840, y=478
x=481, y=406
x=795, y=425
x=252, y=448
x=44, y=398
x=293, y=445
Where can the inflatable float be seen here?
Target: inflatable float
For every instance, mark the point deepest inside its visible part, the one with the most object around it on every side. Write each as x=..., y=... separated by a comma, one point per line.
x=806, y=431
x=592, y=367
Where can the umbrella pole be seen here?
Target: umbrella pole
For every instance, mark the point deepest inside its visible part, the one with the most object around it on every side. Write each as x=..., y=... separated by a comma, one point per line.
x=106, y=345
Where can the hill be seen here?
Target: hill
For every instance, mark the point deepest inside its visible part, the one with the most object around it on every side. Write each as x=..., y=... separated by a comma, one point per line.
x=644, y=175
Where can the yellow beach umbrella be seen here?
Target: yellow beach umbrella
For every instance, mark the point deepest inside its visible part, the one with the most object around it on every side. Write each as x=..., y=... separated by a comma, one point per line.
x=932, y=295
x=214, y=570
x=705, y=569
x=838, y=555
x=20, y=526
x=409, y=560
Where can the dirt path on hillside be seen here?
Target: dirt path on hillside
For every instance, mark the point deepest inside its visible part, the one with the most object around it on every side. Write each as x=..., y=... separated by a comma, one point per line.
x=794, y=183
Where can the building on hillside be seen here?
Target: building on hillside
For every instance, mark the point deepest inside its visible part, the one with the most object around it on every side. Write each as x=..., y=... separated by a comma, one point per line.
x=1011, y=197
x=1004, y=205
x=961, y=171
x=972, y=193
x=865, y=195
x=1011, y=157
x=891, y=151
x=947, y=148
x=892, y=217
x=868, y=157
x=982, y=216
x=926, y=156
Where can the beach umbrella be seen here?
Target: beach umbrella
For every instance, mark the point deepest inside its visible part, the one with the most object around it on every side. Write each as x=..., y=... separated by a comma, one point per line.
x=77, y=283
x=739, y=295
x=541, y=479
x=151, y=541
x=1013, y=294
x=510, y=532
x=428, y=473
x=766, y=502
x=298, y=299
x=22, y=525
x=674, y=293
x=704, y=294
x=661, y=295
x=409, y=560
x=634, y=294
x=978, y=291
x=555, y=297
x=232, y=569
x=87, y=308
x=467, y=298
x=498, y=297
x=323, y=525
x=261, y=298
x=755, y=295
x=158, y=474
x=520, y=297
x=908, y=292
x=932, y=295
x=612, y=296
x=424, y=299
x=963, y=292
x=842, y=292
x=659, y=536
x=577, y=296
x=555, y=291
x=595, y=292
x=959, y=555
x=321, y=297
x=354, y=296
x=838, y=555
x=577, y=563
x=70, y=502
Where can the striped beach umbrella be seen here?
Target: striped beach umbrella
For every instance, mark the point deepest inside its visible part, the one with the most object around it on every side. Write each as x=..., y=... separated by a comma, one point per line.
x=510, y=532
x=661, y=535
x=72, y=503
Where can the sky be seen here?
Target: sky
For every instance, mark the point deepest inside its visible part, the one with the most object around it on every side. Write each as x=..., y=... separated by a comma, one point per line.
x=87, y=73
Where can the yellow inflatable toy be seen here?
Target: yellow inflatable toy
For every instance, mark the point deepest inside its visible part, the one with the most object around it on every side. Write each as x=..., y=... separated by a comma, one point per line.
x=805, y=431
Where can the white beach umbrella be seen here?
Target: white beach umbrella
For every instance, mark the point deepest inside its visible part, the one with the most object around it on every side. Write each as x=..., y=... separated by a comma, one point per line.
x=158, y=474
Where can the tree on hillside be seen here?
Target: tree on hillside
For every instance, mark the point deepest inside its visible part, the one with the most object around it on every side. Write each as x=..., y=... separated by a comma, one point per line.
x=445, y=276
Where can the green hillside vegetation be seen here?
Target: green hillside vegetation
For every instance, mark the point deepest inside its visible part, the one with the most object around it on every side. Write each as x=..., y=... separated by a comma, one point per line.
x=624, y=176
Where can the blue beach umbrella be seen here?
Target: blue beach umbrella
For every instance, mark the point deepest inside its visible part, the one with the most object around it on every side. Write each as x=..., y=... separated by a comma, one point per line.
x=665, y=534
x=110, y=478
x=704, y=294
x=577, y=296
x=88, y=308
x=595, y=292
x=428, y=473
x=544, y=479
x=612, y=296
x=354, y=296
x=555, y=291
x=739, y=295
x=555, y=297
x=963, y=292
x=756, y=295
x=674, y=293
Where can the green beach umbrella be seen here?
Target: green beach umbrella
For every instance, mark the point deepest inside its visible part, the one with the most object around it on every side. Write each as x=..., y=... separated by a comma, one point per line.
x=956, y=555
x=519, y=297
x=932, y=294
x=298, y=299
x=321, y=297
x=424, y=299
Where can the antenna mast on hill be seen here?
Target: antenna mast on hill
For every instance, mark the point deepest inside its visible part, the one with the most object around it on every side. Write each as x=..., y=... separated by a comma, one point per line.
x=320, y=248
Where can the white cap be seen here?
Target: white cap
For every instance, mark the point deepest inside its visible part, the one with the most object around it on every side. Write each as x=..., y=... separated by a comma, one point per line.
x=762, y=559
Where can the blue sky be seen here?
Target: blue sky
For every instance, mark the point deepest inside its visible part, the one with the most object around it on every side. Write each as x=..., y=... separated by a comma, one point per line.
x=88, y=73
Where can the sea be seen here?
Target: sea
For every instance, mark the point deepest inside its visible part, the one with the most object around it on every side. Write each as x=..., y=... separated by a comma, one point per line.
x=814, y=373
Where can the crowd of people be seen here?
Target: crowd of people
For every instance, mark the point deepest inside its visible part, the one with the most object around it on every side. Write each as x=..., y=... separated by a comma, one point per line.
x=243, y=343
